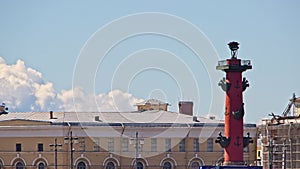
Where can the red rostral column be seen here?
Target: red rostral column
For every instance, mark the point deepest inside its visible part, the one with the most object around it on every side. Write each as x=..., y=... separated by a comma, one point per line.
x=234, y=142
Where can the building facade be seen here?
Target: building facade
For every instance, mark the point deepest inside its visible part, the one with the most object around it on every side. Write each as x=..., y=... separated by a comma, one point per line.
x=155, y=139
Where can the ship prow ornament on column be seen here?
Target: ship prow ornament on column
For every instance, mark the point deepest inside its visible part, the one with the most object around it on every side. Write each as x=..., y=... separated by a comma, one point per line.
x=234, y=85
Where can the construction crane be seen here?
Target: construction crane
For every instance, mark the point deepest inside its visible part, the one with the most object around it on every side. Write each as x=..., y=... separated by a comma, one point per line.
x=289, y=106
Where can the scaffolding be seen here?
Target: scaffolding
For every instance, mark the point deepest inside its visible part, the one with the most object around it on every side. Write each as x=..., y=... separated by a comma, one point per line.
x=280, y=142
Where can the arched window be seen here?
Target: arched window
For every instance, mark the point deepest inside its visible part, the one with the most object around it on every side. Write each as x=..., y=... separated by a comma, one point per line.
x=220, y=161
x=41, y=166
x=167, y=165
x=140, y=165
x=19, y=165
x=81, y=165
x=195, y=165
x=110, y=165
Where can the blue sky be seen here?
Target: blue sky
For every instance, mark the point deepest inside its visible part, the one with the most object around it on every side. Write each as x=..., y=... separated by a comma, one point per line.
x=49, y=35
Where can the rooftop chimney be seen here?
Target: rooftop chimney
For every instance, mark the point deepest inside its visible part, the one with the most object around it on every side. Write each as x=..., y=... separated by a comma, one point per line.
x=97, y=118
x=212, y=117
x=51, y=115
x=195, y=119
x=186, y=107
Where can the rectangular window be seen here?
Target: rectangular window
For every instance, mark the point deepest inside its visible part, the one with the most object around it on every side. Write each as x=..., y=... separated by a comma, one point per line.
x=258, y=154
x=125, y=144
x=167, y=144
x=246, y=149
x=141, y=142
x=196, y=145
x=18, y=147
x=182, y=145
x=210, y=145
x=96, y=144
x=81, y=143
x=110, y=146
x=153, y=144
x=40, y=147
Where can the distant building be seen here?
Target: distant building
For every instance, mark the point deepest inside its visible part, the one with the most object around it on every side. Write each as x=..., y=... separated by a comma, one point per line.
x=279, y=141
x=3, y=109
x=152, y=104
x=154, y=139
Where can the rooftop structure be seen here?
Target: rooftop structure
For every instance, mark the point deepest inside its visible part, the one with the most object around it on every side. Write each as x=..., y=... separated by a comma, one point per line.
x=152, y=104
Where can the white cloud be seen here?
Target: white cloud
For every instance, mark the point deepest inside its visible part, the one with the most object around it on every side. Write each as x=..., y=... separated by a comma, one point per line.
x=115, y=100
x=23, y=89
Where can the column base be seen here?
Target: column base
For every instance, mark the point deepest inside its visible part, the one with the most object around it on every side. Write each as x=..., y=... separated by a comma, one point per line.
x=234, y=163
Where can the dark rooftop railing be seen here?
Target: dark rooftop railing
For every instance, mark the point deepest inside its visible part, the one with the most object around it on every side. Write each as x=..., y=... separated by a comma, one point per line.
x=146, y=124
x=243, y=63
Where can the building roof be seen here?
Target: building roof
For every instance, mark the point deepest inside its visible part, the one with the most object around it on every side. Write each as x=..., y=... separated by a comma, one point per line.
x=152, y=116
x=152, y=102
x=145, y=118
